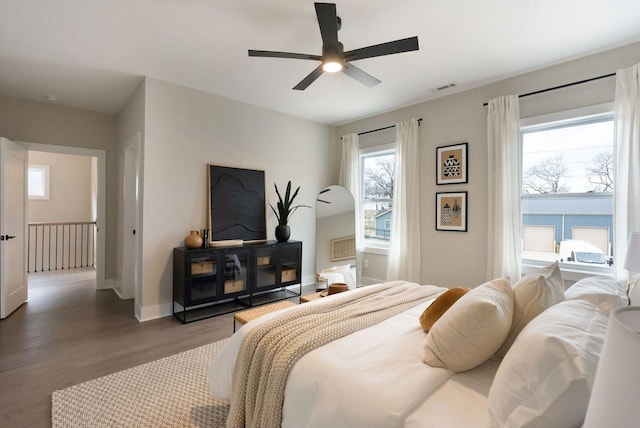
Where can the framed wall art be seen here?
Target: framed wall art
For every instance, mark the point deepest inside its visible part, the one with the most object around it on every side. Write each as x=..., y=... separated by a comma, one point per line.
x=451, y=211
x=452, y=164
x=236, y=203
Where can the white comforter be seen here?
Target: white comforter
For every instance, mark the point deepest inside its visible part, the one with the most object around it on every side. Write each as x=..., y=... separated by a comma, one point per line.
x=372, y=378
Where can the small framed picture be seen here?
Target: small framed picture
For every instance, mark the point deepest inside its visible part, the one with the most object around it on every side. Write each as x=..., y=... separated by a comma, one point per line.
x=451, y=211
x=452, y=164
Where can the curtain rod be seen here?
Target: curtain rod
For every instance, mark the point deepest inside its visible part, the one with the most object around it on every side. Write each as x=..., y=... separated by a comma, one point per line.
x=566, y=85
x=382, y=129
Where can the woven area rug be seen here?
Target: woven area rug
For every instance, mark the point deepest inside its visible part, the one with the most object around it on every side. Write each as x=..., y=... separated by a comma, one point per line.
x=170, y=392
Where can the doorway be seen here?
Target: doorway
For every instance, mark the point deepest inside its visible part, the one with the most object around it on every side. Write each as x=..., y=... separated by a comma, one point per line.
x=96, y=197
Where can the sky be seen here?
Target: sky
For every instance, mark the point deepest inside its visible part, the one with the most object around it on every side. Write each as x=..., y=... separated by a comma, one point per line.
x=578, y=144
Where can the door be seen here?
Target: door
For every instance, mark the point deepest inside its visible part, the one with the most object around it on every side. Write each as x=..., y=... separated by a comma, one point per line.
x=131, y=226
x=13, y=206
x=598, y=236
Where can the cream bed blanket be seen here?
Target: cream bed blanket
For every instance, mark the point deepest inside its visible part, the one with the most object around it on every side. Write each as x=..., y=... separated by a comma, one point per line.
x=270, y=350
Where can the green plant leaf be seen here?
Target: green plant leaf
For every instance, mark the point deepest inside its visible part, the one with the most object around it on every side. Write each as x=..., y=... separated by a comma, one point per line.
x=285, y=206
x=274, y=211
x=295, y=194
x=287, y=201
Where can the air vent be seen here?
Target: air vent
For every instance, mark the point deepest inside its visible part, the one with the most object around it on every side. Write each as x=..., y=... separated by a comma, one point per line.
x=442, y=88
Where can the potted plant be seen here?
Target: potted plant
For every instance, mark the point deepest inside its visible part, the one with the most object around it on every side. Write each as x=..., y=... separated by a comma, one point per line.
x=285, y=210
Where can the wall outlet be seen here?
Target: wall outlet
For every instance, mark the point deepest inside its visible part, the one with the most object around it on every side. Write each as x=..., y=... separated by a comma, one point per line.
x=366, y=263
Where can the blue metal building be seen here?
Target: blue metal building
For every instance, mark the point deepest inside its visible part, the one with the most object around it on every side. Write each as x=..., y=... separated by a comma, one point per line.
x=564, y=211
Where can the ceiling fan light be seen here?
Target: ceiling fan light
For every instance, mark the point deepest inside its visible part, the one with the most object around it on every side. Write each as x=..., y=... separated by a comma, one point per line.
x=332, y=66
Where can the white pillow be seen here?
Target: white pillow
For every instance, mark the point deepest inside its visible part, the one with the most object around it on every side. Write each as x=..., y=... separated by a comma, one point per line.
x=603, y=291
x=546, y=377
x=473, y=329
x=534, y=293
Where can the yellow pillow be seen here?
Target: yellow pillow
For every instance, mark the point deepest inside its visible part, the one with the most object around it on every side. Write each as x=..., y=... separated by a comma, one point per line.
x=440, y=306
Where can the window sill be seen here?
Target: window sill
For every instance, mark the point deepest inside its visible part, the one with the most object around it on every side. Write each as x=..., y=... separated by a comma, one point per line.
x=383, y=251
x=570, y=271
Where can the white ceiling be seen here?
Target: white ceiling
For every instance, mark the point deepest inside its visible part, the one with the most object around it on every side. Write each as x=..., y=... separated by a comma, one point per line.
x=91, y=54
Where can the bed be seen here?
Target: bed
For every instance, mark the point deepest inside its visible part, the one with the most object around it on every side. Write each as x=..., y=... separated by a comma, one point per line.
x=377, y=376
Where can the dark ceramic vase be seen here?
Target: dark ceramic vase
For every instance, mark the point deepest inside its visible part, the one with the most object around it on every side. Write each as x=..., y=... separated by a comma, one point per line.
x=283, y=233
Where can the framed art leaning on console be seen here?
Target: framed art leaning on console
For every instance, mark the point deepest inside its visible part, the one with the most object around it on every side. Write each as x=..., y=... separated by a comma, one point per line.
x=452, y=164
x=236, y=203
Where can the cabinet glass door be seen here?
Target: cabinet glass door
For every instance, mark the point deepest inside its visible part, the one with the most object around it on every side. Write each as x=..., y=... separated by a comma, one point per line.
x=203, y=272
x=290, y=260
x=265, y=267
x=235, y=272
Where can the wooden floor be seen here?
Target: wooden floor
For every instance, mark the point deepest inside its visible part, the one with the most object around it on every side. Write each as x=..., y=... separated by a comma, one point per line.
x=69, y=332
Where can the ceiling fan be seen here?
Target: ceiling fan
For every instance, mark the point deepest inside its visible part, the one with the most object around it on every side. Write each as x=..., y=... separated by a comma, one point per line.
x=333, y=57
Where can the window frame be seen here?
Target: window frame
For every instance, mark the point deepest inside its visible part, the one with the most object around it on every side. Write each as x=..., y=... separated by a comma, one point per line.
x=369, y=246
x=46, y=181
x=567, y=118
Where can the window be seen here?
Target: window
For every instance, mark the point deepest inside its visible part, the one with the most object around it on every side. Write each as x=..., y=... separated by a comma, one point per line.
x=38, y=181
x=567, y=192
x=377, y=167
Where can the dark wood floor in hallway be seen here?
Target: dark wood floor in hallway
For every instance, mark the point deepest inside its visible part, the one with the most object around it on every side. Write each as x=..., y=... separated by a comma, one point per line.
x=69, y=332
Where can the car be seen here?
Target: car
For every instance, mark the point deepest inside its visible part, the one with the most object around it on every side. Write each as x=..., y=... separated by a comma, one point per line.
x=578, y=251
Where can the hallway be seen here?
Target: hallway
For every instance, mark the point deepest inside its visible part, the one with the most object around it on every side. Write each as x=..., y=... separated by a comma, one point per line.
x=69, y=332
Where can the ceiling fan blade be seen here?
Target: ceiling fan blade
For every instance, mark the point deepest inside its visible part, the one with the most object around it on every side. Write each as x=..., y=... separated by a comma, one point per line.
x=361, y=76
x=389, y=48
x=274, y=54
x=328, y=21
x=311, y=77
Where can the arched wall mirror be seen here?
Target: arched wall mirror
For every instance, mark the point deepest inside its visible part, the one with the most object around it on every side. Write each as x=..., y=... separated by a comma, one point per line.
x=336, y=258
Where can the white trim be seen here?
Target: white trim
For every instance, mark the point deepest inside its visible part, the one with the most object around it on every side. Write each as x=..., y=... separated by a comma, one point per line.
x=569, y=271
x=133, y=147
x=148, y=313
x=369, y=249
x=389, y=147
x=365, y=280
x=557, y=118
x=368, y=152
x=107, y=284
x=101, y=156
x=572, y=117
x=308, y=280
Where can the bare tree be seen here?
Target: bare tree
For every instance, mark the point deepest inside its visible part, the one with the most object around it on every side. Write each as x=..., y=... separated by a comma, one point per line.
x=545, y=176
x=382, y=175
x=601, y=172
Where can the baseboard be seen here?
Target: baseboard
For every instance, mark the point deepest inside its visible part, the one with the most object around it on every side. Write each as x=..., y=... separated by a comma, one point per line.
x=118, y=293
x=108, y=283
x=370, y=281
x=148, y=313
x=308, y=279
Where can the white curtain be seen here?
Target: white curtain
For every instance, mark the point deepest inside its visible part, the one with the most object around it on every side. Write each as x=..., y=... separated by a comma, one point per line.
x=626, y=194
x=404, y=258
x=350, y=179
x=504, y=231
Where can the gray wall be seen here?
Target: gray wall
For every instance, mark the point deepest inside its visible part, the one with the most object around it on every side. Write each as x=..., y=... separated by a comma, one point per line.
x=454, y=258
x=70, y=190
x=187, y=129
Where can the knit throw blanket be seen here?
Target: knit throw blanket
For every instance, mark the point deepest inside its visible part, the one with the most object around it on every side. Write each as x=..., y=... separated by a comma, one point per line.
x=270, y=350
